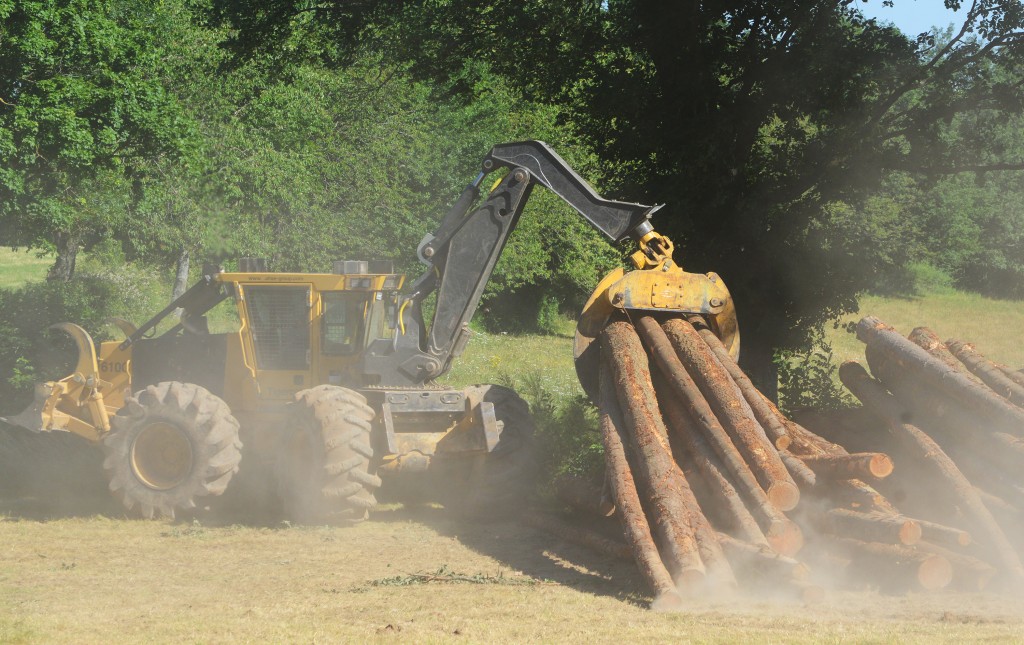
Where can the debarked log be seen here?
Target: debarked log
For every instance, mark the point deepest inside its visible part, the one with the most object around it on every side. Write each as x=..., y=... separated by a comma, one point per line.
x=728, y=405
x=654, y=466
x=862, y=465
x=627, y=500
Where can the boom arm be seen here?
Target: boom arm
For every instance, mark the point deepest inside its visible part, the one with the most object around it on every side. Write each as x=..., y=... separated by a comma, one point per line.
x=460, y=255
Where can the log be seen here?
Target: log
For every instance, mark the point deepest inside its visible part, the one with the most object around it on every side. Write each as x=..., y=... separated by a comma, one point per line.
x=855, y=495
x=897, y=563
x=954, y=428
x=863, y=465
x=719, y=574
x=852, y=493
x=839, y=428
x=871, y=527
x=986, y=370
x=751, y=558
x=728, y=405
x=873, y=395
x=942, y=535
x=627, y=500
x=764, y=413
x=911, y=359
x=654, y=466
x=1017, y=376
x=930, y=342
x=698, y=456
x=969, y=573
x=801, y=474
x=781, y=533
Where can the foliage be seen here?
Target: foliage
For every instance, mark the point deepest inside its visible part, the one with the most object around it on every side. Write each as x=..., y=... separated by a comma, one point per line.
x=753, y=119
x=808, y=379
x=568, y=438
x=81, y=101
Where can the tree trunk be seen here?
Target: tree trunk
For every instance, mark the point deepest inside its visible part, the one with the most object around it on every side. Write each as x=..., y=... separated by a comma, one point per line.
x=181, y=274
x=63, y=268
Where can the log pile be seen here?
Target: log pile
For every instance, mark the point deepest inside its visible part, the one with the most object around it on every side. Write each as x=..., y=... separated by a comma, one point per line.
x=716, y=490
x=953, y=423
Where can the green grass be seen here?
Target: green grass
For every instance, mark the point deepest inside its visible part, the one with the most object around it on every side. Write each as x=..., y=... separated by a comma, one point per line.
x=994, y=326
x=19, y=266
x=500, y=358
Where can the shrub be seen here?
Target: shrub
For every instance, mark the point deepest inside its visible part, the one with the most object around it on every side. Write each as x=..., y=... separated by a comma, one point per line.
x=808, y=378
x=568, y=439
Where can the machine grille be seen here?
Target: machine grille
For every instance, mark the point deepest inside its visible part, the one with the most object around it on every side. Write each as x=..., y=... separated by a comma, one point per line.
x=280, y=320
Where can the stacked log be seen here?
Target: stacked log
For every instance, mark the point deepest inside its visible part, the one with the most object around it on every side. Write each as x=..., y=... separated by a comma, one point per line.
x=953, y=423
x=716, y=489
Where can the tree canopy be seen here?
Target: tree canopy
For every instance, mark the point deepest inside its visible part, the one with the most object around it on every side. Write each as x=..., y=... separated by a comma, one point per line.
x=81, y=103
x=757, y=122
x=806, y=153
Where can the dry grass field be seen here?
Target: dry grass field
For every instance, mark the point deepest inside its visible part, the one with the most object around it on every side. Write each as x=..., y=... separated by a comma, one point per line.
x=406, y=575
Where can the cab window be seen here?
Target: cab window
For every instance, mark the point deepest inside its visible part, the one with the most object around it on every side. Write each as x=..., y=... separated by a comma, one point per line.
x=342, y=322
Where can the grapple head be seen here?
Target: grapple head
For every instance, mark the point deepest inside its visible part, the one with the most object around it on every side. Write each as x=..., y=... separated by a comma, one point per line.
x=657, y=285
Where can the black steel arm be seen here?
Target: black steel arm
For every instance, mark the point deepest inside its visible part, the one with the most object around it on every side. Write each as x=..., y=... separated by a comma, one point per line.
x=462, y=252
x=200, y=298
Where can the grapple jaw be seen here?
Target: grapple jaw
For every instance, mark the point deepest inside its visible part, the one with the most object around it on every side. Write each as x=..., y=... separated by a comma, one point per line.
x=662, y=288
x=75, y=402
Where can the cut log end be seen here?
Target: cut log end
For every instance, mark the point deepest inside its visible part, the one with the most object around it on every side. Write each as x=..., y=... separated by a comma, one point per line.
x=910, y=533
x=783, y=495
x=880, y=466
x=785, y=537
x=934, y=573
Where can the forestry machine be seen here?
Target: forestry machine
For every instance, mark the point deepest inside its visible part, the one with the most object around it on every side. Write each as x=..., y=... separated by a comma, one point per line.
x=329, y=380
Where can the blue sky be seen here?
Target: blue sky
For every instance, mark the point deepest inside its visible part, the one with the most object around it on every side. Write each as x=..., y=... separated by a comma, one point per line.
x=914, y=16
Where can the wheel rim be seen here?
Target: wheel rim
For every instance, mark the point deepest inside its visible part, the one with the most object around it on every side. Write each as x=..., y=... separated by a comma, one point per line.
x=161, y=456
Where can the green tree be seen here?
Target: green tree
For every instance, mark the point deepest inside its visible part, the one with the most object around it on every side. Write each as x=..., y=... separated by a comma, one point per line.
x=753, y=120
x=81, y=102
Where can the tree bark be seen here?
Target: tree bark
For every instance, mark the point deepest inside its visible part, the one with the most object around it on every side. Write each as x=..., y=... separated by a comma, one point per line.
x=63, y=268
x=181, y=274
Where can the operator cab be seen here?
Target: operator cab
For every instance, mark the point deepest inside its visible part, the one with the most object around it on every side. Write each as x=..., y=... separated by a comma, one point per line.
x=301, y=329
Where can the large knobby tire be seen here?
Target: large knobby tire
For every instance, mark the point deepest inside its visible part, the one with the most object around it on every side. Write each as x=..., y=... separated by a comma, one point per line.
x=171, y=444
x=323, y=468
x=499, y=483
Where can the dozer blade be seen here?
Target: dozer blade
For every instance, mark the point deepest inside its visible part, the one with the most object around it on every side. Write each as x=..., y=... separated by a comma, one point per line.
x=39, y=415
x=665, y=289
x=31, y=418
